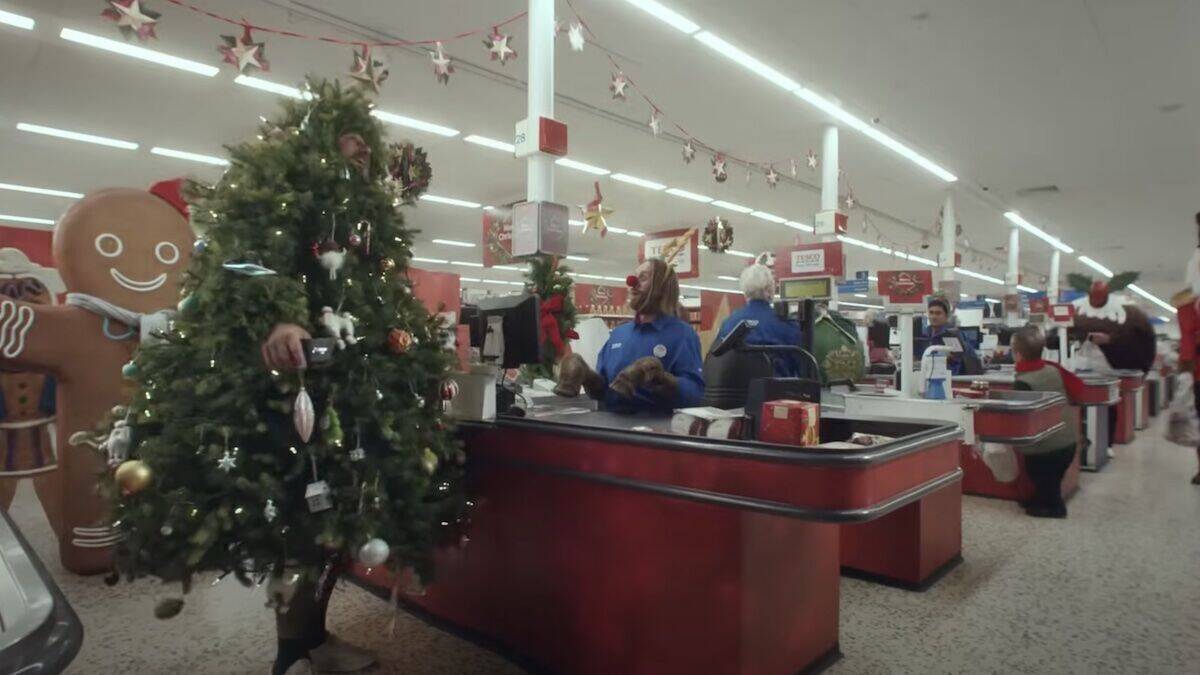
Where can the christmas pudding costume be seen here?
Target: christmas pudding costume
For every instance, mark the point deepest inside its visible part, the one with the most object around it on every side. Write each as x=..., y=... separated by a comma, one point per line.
x=1132, y=344
x=121, y=253
x=27, y=398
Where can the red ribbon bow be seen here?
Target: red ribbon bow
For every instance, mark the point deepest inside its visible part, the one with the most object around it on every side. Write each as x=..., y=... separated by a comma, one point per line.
x=550, y=310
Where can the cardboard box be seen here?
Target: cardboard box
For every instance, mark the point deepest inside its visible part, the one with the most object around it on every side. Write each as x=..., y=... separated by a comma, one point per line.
x=789, y=422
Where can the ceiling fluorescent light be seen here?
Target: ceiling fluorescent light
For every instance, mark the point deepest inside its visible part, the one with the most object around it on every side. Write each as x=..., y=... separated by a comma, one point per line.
x=580, y=166
x=508, y=268
x=724, y=277
x=454, y=242
x=976, y=275
x=1026, y=289
x=835, y=111
x=16, y=20
x=449, y=200
x=41, y=191
x=860, y=295
x=634, y=233
x=1096, y=266
x=577, y=258
x=76, y=136
x=272, y=87
x=435, y=261
x=471, y=279
x=464, y=263
x=666, y=15
x=190, y=156
x=770, y=217
x=923, y=261
x=689, y=195
x=1152, y=298
x=579, y=223
x=859, y=304
x=136, y=52
x=617, y=230
x=411, y=123
x=25, y=219
x=732, y=207
x=1057, y=243
x=640, y=182
x=800, y=226
x=491, y=143
x=746, y=61
x=740, y=254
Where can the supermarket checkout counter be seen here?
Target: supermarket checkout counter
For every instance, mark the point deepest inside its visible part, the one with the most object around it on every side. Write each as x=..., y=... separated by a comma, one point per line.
x=39, y=632
x=604, y=543
x=1101, y=394
x=993, y=421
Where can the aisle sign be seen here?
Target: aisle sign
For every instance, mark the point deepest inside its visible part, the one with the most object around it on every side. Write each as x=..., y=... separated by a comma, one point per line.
x=681, y=246
x=906, y=287
x=854, y=286
x=810, y=260
x=497, y=236
x=1063, y=315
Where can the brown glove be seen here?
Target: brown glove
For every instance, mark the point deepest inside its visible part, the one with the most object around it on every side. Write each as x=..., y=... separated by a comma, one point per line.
x=646, y=372
x=574, y=373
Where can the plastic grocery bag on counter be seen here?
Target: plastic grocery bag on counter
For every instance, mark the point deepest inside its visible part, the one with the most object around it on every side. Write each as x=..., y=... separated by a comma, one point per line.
x=1001, y=459
x=1183, y=428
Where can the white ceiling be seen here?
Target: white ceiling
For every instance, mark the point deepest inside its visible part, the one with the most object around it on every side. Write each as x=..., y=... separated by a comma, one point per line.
x=1007, y=95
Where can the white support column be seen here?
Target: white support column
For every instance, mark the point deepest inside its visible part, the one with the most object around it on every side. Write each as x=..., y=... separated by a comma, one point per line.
x=949, y=234
x=829, y=169
x=539, y=168
x=1011, y=278
x=908, y=375
x=1052, y=289
x=1055, y=271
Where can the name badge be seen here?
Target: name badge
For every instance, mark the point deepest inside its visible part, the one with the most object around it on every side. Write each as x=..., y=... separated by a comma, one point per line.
x=660, y=350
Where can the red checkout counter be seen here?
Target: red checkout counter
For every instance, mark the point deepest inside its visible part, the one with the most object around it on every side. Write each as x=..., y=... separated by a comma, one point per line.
x=1101, y=394
x=603, y=543
x=998, y=416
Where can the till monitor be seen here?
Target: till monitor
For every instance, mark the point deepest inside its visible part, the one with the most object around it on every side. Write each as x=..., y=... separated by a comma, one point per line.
x=512, y=330
x=809, y=288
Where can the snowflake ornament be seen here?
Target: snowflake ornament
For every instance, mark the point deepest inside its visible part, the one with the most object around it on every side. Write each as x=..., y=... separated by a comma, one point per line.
x=442, y=67
x=618, y=84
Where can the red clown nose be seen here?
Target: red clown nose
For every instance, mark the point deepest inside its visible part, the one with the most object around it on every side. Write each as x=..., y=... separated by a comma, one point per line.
x=631, y=281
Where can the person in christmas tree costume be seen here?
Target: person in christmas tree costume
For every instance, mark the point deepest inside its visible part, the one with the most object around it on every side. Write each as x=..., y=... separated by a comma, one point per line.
x=262, y=453
x=651, y=363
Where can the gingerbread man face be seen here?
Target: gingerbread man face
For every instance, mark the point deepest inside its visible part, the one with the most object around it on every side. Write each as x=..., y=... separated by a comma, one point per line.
x=126, y=246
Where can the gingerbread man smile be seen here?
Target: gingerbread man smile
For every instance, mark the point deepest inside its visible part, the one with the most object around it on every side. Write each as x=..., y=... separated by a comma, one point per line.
x=138, y=286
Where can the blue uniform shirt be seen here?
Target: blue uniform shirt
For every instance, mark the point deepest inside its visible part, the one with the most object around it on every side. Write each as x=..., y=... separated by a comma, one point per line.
x=674, y=343
x=771, y=330
x=955, y=364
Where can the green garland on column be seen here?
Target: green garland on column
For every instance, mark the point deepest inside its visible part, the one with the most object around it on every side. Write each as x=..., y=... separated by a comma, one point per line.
x=555, y=288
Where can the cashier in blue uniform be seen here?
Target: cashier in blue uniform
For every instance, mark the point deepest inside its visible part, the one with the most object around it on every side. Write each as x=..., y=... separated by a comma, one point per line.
x=651, y=363
x=758, y=285
x=965, y=362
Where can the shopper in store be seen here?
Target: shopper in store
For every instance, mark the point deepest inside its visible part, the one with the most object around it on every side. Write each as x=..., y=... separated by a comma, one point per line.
x=651, y=363
x=940, y=327
x=758, y=285
x=1047, y=460
x=1187, y=305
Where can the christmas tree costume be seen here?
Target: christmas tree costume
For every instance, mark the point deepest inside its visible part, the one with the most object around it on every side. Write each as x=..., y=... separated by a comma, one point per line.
x=285, y=477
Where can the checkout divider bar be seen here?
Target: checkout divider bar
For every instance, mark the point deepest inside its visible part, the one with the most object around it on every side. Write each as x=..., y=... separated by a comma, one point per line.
x=746, y=503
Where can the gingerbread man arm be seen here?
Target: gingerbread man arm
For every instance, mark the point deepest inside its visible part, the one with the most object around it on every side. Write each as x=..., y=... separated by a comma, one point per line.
x=27, y=334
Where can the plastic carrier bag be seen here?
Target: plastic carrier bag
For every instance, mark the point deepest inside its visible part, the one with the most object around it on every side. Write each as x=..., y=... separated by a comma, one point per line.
x=1183, y=428
x=1002, y=460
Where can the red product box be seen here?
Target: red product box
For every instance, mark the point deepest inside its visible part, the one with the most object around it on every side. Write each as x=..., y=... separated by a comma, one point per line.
x=790, y=422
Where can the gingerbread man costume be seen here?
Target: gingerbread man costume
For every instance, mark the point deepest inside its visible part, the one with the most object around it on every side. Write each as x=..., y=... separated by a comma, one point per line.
x=27, y=399
x=121, y=253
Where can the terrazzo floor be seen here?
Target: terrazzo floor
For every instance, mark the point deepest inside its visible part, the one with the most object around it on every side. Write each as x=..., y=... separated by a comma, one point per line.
x=1113, y=589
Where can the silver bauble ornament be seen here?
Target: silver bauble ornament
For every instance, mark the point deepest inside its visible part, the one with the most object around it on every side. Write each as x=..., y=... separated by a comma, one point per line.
x=374, y=553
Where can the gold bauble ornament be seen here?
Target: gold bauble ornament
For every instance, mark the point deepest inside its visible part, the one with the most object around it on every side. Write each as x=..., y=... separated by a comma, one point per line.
x=134, y=475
